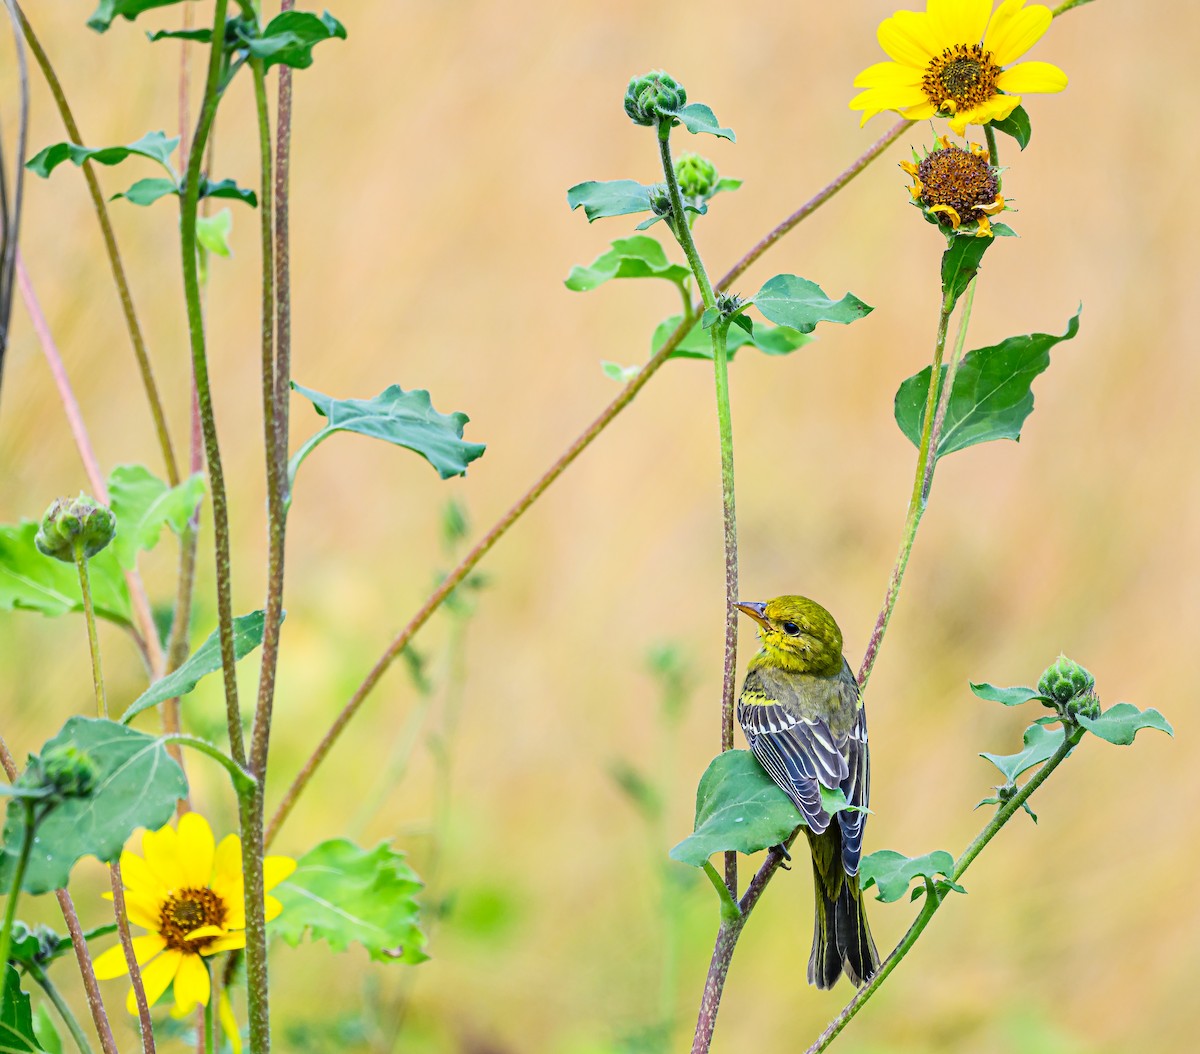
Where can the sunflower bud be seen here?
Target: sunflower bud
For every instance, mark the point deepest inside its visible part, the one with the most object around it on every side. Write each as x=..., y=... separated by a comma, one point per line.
x=653, y=98
x=75, y=522
x=697, y=176
x=1064, y=680
x=660, y=199
x=68, y=772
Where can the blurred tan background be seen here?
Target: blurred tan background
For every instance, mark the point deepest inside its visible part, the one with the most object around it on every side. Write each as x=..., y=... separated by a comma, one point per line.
x=433, y=150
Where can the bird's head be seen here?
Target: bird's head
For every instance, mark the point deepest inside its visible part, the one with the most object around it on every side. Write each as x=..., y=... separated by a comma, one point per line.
x=797, y=634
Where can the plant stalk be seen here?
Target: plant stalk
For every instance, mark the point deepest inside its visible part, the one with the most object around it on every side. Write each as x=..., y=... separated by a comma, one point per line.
x=89, y=614
x=14, y=891
x=60, y=1004
x=121, y=913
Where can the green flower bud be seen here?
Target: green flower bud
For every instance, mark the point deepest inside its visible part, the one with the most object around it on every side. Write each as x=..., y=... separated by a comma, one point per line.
x=1085, y=705
x=728, y=304
x=660, y=199
x=75, y=521
x=697, y=176
x=68, y=772
x=651, y=98
x=1064, y=680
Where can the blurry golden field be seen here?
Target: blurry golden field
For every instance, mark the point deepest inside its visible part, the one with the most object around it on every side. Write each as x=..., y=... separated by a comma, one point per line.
x=433, y=150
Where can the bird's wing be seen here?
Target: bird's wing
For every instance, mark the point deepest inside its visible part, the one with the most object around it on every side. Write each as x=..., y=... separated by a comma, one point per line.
x=857, y=788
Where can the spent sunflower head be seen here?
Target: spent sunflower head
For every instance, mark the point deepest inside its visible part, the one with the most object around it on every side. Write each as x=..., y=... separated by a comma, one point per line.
x=957, y=189
x=188, y=893
x=954, y=59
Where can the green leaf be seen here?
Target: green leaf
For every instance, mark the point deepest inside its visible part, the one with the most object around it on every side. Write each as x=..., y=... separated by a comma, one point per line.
x=143, y=505
x=1119, y=724
x=739, y=807
x=154, y=145
x=30, y=581
x=697, y=118
x=789, y=300
x=602, y=199
x=347, y=895
x=43, y=945
x=206, y=659
x=405, y=419
x=109, y=10
x=638, y=257
x=212, y=232
x=16, y=1019
x=1007, y=696
x=137, y=785
x=960, y=263
x=46, y=1032
x=892, y=873
x=725, y=183
x=1017, y=125
x=617, y=372
x=228, y=188
x=289, y=38
x=770, y=340
x=992, y=393
x=1040, y=745
x=199, y=36
x=148, y=191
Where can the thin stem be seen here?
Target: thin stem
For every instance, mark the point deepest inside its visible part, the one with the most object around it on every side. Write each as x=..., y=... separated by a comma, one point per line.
x=216, y=474
x=1064, y=7
x=14, y=889
x=917, y=502
x=989, y=134
x=35, y=971
x=135, y=971
x=527, y=500
x=210, y=1032
x=242, y=780
x=947, y=387
x=114, y=257
x=89, y=614
x=933, y=901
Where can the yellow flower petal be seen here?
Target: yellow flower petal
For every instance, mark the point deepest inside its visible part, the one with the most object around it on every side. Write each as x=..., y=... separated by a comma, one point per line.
x=226, y=944
x=985, y=228
x=1032, y=77
x=276, y=869
x=893, y=98
x=205, y=931
x=111, y=963
x=888, y=75
x=142, y=910
x=195, y=840
x=229, y=1024
x=1014, y=29
x=156, y=978
x=192, y=984
x=138, y=878
x=960, y=21
x=227, y=863
x=909, y=37
x=951, y=213
x=919, y=112
x=161, y=850
x=272, y=906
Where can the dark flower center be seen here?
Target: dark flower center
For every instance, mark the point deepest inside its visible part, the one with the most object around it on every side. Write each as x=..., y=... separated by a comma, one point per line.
x=963, y=75
x=188, y=910
x=960, y=179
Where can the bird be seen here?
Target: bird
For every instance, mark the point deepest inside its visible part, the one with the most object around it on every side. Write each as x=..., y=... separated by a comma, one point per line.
x=805, y=722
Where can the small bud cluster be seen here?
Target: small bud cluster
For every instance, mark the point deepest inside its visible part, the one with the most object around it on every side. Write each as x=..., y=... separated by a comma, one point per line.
x=653, y=98
x=75, y=523
x=1070, y=689
x=660, y=200
x=728, y=304
x=697, y=176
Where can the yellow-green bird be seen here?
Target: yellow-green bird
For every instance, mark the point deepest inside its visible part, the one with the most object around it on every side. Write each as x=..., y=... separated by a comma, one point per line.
x=804, y=720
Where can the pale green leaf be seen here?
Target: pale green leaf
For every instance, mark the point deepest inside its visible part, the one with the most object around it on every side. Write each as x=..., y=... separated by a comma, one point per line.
x=789, y=300
x=143, y=505
x=1119, y=724
x=892, y=873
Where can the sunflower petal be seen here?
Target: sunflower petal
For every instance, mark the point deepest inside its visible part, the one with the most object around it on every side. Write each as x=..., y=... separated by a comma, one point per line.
x=227, y=863
x=1014, y=29
x=229, y=1025
x=919, y=112
x=910, y=38
x=1032, y=77
x=111, y=963
x=888, y=75
x=196, y=849
x=276, y=869
x=226, y=944
x=142, y=910
x=138, y=878
x=161, y=850
x=204, y=931
x=960, y=21
x=272, y=907
x=156, y=978
x=192, y=984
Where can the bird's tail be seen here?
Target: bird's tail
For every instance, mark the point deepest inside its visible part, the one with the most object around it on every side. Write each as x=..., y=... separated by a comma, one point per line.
x=841, y=937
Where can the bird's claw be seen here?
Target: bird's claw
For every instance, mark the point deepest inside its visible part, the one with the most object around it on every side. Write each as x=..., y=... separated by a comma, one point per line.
x=782, y=850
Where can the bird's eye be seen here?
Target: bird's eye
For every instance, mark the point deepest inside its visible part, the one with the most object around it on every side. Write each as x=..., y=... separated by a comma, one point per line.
x=791, y=629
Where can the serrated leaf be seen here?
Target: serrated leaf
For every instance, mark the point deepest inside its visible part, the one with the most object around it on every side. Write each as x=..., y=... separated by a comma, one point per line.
x=405, y=419
x=696, y=117
x=770, y=340
x=638, y=257
x=153, y=145
x=892, y=873
x=206, y=659
x=1006, y=696
x=148, y=191
x=346, y=895
x=143, y=505
x=992, y=394
x=30, y=581
x=212, y=232
x=137, y=785
x=110, y=10
x=789, y=300
x=1040, y=745
x=1121, y=723
x=1017, y=125
x=16, y=1018
x=602, y=199
x=288, y=39
x=960, y=263
x=738, y=807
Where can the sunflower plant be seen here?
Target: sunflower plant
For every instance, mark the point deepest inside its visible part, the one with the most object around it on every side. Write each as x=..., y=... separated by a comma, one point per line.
x=192, y=916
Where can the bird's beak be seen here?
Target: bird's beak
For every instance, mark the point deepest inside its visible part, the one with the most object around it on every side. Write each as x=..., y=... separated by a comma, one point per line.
x=758, y=612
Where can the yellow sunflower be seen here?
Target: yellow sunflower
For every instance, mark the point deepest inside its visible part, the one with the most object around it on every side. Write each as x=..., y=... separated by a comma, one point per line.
x=188, y=893
x=942, y=69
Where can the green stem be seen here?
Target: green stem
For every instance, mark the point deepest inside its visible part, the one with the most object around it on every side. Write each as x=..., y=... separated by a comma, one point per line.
x=242, y=780
x=1065, y=7
x=114, y=257
x=210, y=1032
x=35, y=971
x=947, y=386
x=994, y=154
x=729, y=908
x=89, y=614
x=14, y=890
x=563, y=462
x=212, y=449
x=932, y=902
